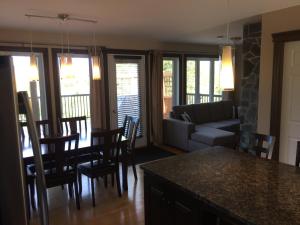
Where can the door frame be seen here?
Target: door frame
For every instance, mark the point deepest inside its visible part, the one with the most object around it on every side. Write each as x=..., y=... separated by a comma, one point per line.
x=45, y=55
x=107, y=51
x=279, y=40
x=111, y=68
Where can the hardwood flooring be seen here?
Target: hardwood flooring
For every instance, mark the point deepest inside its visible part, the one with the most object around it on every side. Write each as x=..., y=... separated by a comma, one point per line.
x=110, y=209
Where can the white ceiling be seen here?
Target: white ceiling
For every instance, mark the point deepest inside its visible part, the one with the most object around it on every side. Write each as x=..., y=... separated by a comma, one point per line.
x=165, y=20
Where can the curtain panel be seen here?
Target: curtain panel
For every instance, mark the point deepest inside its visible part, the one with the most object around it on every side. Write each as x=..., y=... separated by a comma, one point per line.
x=97, y=96
x=156, y=96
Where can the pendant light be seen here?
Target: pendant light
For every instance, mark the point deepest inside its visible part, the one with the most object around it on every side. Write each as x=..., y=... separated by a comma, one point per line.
x=96, y=70
x=227, y=74
x=33, y=67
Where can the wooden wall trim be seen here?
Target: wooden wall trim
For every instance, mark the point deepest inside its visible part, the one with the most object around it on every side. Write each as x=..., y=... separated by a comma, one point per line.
x=279, y=40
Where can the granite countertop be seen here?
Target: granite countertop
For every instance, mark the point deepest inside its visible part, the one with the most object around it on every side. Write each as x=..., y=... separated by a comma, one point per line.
x=253, y=190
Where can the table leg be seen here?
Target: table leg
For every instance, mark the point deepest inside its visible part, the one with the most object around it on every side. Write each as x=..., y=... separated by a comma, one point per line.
x=124, y=168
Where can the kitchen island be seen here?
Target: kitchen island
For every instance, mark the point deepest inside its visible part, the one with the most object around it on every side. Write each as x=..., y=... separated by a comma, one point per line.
x=220, y=186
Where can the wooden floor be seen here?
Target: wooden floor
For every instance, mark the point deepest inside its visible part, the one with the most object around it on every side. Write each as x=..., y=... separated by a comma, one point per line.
x=110, y=209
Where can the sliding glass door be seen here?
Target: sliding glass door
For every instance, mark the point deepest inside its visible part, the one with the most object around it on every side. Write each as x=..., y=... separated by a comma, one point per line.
x=202, y=80
x=127, y=93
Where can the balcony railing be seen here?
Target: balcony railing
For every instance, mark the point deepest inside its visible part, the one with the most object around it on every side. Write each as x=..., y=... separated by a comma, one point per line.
x=75, y=105
x=201, y=98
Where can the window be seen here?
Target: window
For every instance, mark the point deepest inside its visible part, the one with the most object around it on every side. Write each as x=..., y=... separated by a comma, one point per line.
x=35, y=89
x=75, y=90
x=74, y=94
x=202, y=80
x=170, y=84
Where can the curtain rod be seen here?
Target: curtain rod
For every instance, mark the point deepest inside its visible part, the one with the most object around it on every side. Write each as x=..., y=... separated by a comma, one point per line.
x=27, y=44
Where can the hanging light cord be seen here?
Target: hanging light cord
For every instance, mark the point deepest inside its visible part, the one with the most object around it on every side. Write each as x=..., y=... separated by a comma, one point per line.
x=228, y=21
x=29, y=18
x=94, y=41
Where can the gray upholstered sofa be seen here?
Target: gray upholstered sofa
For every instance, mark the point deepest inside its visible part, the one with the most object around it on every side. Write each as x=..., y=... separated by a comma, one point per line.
x=211, y=124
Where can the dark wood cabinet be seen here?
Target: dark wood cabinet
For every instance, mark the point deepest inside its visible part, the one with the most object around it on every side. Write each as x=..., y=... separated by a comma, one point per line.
x=167, y=204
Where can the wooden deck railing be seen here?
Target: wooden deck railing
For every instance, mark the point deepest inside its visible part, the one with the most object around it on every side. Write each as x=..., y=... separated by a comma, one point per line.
x=75, y=105
x=201, y=98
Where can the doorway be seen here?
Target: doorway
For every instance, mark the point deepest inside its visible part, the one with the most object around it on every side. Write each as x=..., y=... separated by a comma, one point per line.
x=127, y=92
x=290, y=109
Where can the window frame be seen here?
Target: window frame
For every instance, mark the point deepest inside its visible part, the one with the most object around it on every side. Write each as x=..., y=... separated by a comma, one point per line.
x=56, y=53
x=197, y=59
x=45, y=56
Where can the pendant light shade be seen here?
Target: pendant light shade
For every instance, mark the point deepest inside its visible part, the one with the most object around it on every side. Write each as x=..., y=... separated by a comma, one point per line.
x=66, y=67
x=33, y=69
x=96, y=67
x=227, y=75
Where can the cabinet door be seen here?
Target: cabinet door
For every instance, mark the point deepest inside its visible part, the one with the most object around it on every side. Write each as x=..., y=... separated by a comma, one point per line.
x=184, y=214
x=159, y=208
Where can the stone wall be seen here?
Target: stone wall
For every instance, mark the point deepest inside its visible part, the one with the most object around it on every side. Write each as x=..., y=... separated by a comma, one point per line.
x=250, y=77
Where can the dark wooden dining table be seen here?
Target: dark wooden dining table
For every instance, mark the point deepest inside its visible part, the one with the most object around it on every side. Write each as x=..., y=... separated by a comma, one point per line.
x=83, y=154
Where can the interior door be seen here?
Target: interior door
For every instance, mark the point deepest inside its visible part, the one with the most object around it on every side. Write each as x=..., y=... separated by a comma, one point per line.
x=127, y=92
x=290, y=112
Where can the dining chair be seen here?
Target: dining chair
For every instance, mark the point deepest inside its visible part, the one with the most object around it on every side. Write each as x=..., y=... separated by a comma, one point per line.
x=42, y=128
x=72, y=125
x=135, y=122
x=126, y=125
x=260, y=144
x=106, y=165
x=30, y=190
x=59, y=165
x=297, y=163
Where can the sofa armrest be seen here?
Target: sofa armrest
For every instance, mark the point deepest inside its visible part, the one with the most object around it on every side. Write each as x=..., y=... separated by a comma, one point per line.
x=177, y=133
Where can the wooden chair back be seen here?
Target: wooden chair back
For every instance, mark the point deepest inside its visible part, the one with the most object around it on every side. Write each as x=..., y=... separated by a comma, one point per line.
x=56, y=160
x=127, y=125
x=264, y=144
x=72, y=125
x=110, y=141
x=42, y=128
x=135, y=122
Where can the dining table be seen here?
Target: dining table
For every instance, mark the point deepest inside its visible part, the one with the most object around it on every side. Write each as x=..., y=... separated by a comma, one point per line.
x=84, y=153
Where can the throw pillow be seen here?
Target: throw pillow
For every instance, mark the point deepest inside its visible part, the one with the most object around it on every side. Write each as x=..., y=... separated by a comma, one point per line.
x=186, y=117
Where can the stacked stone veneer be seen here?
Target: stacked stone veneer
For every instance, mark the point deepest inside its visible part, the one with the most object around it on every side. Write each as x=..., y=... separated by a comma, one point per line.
x=250, y=77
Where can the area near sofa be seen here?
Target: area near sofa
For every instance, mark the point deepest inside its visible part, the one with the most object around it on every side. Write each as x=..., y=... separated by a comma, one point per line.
x=211, y=124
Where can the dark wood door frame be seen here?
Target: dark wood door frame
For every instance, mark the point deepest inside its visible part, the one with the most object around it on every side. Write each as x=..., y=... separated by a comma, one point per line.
x=279, y=40
x=44, y=52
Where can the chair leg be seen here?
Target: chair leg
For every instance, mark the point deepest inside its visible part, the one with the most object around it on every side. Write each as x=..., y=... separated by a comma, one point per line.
x=32, y=191
x=93, y=192
x=79, y=182
x=76, y=195
x=70, y=188
x=113, y=179
x=133, y=167
x=28, y=203
x=118, y=182
x=62, y=187
x=105, y=181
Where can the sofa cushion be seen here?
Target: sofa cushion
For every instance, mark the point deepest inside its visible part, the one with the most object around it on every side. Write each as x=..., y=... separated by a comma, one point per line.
x=181, y=109
x=212, y=136
x=216, y=111
x=232, y=125
x=227, y=109
x=202, y=113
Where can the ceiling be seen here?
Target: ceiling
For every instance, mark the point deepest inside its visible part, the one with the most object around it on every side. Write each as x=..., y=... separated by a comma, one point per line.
x=193, y=21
